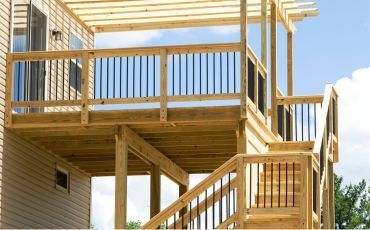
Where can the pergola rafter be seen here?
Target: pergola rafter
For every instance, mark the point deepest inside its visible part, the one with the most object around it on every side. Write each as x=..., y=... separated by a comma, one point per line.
x=124, y=15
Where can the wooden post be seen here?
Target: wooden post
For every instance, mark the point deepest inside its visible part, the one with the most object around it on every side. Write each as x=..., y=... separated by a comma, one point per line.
x=273, y=27
x=304, y=194
x=163, y=82
x=241, y=193
x=85, y=88
x=241, y=136
x=121, y=179
x=264, y=32
x=243, y=59
x=155, y=190
x=310, y=193
x=290, y=79
x=9, y=90
x=182, y=190
x=331, y=196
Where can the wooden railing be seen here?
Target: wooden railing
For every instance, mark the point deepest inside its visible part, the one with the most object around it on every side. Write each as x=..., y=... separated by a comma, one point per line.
x=314, y=118
x=54, y=81
x=240, y=188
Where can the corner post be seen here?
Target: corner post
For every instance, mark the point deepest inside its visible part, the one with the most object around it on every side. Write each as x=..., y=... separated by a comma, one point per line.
x=155, y=190
x=241, y=136
x=241, y=192
x=9, y=90
x=243, y=58
x=121, y=179
x=273, y=27
x=85, y=88
x=163, y=82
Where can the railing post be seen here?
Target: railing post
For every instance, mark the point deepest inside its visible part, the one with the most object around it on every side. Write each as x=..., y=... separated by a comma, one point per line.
x=85, y=88
x=243, y=58
x=241, y=192
x=163, y=83
x=310, y=192
x=273, y=34
x=9, y=90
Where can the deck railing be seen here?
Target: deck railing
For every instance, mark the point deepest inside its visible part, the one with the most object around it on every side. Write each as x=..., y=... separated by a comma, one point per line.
x=52, y=81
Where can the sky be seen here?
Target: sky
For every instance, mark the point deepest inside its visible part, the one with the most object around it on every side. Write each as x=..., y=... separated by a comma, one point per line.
x=331, y=48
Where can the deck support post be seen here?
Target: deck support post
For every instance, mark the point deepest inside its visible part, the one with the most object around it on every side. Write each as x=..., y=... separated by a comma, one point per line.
x=155, y=190
x=243, y=59
x=182, y=190
x=264, y=32
x=121, y=179
x=241, y=136
x=273, y=34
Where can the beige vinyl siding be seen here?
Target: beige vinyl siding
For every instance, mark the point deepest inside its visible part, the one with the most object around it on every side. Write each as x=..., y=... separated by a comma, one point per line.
x=28, y=197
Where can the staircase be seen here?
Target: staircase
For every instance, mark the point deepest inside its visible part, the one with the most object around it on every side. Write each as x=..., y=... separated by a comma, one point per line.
x=283, y=188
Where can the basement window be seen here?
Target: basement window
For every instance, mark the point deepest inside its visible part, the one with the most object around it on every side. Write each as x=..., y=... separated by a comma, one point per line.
x=62, y=179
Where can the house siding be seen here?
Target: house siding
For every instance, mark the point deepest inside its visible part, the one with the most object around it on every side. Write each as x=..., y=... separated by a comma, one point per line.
x=28, y=197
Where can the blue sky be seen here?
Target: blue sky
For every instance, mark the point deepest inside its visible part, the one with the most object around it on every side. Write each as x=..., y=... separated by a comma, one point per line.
x=331, y=48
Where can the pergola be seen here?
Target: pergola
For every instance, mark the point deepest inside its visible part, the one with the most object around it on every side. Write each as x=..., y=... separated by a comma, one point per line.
x=126, y=15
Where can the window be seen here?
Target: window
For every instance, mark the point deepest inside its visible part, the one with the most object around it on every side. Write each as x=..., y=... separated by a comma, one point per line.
x=62, y=179
x=75, y=68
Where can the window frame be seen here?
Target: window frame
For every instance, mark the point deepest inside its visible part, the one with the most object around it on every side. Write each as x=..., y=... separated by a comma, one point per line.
x=67, y=173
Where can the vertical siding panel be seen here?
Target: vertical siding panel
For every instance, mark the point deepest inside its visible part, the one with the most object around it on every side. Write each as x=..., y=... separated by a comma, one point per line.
x=28, y=198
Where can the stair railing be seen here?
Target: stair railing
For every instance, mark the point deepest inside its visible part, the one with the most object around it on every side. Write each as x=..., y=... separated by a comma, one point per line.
x=252, y=183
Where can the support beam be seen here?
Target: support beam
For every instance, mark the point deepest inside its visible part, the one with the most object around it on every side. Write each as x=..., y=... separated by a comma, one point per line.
x=264, y=32
x=290, y=79
x=155, y=191
x=243, y=58
x=121, y=179
x=241, y=136
x=273, y=34
x=148, y=153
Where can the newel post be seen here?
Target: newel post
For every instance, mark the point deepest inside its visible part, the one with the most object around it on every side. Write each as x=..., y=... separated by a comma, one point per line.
x=241, y=192
x=85, y=88
x=163, y=83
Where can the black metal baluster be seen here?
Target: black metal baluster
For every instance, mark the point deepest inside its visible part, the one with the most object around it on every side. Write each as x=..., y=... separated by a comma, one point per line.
x=166, y=223
x=315, y=118
x=286, y=184
x=51, y=62
x=107, y=93
x=180, y=91
x=198, y=219
x=279, y=186
x=227, y=70
x=221, y=86
x=234, y=73
x=153, y=75
x=173, y=75
x=140, y=75
x=207, y=73
x=213, y=207
x=272, y=183
x=76, y=80
x=264, y=185
x=190, y=219
x=193, y=74
x=295, y=121
x=220, y=203
x=200, y=73
x=186, y=74
x=101, y=78
x=302, y=122
x=228, y=197
x=206, y=209
x=18, y=65
x=147, y=76
x=127, y=67
x=214, y=73
x=308, y=118
x=174, y=221
x=133, y=77
x=182, y=219
x=258, y=184
x=120, y=77
x=63, y=79
x=293, y=182
x=56, y=80
x=114, y=77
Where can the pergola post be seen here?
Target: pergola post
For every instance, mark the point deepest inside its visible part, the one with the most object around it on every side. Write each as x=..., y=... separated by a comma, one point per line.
x=264, y=32
x=290, y=79
x=121, y=179
x=273, y=34
x=155, y=190
x=243, y=59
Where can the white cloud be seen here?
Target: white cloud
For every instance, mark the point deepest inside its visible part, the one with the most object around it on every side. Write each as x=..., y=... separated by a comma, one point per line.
x=354, y=126
x=125, y=39
x=224, y=30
